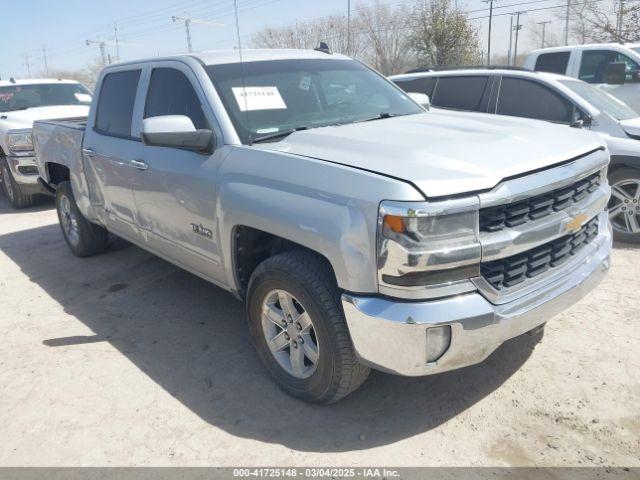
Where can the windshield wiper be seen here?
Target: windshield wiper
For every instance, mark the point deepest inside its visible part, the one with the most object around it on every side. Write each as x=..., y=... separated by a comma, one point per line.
x=282, y=133
x=381, y=116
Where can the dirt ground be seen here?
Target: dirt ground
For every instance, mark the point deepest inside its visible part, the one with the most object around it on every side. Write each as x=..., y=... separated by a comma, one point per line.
x=123, y=359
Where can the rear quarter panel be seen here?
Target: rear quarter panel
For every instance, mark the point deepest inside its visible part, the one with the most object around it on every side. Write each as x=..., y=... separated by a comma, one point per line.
x=60, y=142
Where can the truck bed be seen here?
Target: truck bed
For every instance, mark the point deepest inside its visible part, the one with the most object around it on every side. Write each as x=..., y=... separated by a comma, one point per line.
x=60, y=142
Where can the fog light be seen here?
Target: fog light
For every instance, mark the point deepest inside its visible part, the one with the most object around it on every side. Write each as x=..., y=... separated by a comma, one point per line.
x=438, y=341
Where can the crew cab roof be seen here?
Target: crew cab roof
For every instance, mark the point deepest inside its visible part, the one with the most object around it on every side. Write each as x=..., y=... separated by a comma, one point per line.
x=480, y=71
x=220, y=57
x=589, y=46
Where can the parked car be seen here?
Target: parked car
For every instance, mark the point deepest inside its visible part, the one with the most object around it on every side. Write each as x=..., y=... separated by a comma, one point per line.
x=615, y=67
x=558, y=99
x=21, y=103
x=360, y=230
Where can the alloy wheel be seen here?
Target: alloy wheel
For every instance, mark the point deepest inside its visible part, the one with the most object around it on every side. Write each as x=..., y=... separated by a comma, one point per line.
x=69, y=221
x=290, y=334
x=624, y=206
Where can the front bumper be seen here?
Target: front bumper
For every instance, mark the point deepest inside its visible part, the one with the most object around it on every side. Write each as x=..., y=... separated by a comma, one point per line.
x=390, y=335
x=25, y=173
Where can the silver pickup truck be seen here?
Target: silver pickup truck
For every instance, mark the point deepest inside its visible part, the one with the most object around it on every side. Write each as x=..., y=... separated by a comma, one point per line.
x=361, y=230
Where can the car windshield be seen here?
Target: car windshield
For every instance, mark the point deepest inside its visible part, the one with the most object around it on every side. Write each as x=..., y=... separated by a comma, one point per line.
x=268, y=99
x=636, y=49
x=601, y=100
x=21, y=97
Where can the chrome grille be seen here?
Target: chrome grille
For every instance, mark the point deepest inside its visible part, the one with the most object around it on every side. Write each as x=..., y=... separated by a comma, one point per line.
x=510, y=271
x=493, y=219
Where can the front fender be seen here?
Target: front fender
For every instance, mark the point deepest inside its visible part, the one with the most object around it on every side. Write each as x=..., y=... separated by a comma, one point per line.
x=328, y=208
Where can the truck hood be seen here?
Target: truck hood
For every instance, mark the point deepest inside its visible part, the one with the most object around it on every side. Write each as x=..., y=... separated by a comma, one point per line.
x=25, y=118
x=631, y=126
x=444, y=153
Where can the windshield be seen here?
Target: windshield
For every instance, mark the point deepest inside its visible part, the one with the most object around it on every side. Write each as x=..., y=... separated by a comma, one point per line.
x=601, y=100
x=283, y=95
x=636, y=49
x=21, y=97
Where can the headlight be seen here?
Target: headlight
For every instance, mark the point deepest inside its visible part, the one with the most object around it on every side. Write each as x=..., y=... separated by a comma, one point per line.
x=20, y=142
x=427, y=250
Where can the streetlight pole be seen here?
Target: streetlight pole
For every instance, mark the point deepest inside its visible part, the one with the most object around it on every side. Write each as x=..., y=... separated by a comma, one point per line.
x=489, y=38
x=510, y=39
x=44, y=57
x=517, y=28
x=544, y=31
x=566, y=23
x=348, y=27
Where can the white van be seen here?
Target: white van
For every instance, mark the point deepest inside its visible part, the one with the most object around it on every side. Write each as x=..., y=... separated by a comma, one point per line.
x=614, y=66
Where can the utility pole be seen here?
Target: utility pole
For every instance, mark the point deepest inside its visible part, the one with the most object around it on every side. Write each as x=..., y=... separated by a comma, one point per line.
x=566, y=23
x=44, y=57
x=187, y=26
x=106, y=58
x=348, y=27
x=101, y=44
x=517, y=28
x=28, y=64
x=510, y=39
x=115, y=37
x=490, y=2
x=620, y=21
x=544, y=30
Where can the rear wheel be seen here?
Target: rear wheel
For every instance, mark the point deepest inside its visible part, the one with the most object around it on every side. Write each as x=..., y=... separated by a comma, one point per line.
x=298, y=328
x=83, y=237
x=624, y=205
x=11, y=189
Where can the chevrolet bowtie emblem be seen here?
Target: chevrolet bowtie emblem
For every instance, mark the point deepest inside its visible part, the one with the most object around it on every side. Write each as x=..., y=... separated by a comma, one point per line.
x=576, y=222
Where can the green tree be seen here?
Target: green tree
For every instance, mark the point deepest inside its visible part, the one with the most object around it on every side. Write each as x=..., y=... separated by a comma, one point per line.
x=443, y=36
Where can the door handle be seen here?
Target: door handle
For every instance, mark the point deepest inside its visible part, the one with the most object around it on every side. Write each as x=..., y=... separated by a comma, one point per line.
x=139, y=164
x=89, y=152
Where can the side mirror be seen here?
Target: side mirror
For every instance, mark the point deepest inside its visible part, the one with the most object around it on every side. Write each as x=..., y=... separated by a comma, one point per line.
x=176, y=131
x=421, y=99
x=615, y=73
x=580, y=119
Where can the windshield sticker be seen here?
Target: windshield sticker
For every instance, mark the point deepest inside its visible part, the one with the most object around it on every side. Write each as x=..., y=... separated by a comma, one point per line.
x=82, y=97
x=258, y=98
x=305, y=83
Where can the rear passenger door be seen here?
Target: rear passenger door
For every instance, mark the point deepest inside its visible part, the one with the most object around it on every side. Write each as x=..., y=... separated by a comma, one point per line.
x=553, y=62
x=520, y=97
x=175, y=191
x=108, y=149
x=463, y=92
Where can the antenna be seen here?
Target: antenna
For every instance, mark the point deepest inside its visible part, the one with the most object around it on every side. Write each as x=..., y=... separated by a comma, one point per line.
x=244, y=86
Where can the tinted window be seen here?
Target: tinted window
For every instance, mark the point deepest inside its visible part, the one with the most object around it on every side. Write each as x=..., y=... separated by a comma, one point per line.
x=115, y=103
x=461, y=93
x=593, y=67
x=555, y=62
x=21, y=97
x=171, y=93
x=524, y=98
x=417, y=85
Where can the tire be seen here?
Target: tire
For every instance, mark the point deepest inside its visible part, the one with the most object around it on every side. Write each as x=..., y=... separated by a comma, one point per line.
x=625, y=184
x=11, y=189
x=311, y=284
x=83, y=237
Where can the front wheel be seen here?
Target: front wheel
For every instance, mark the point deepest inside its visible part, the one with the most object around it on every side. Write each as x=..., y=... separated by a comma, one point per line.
x=298, y=328
x=83, y=237
x=624, y=205
x=11, y=189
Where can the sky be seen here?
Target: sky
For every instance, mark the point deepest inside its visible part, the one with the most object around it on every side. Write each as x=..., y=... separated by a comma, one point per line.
x=145, y=28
